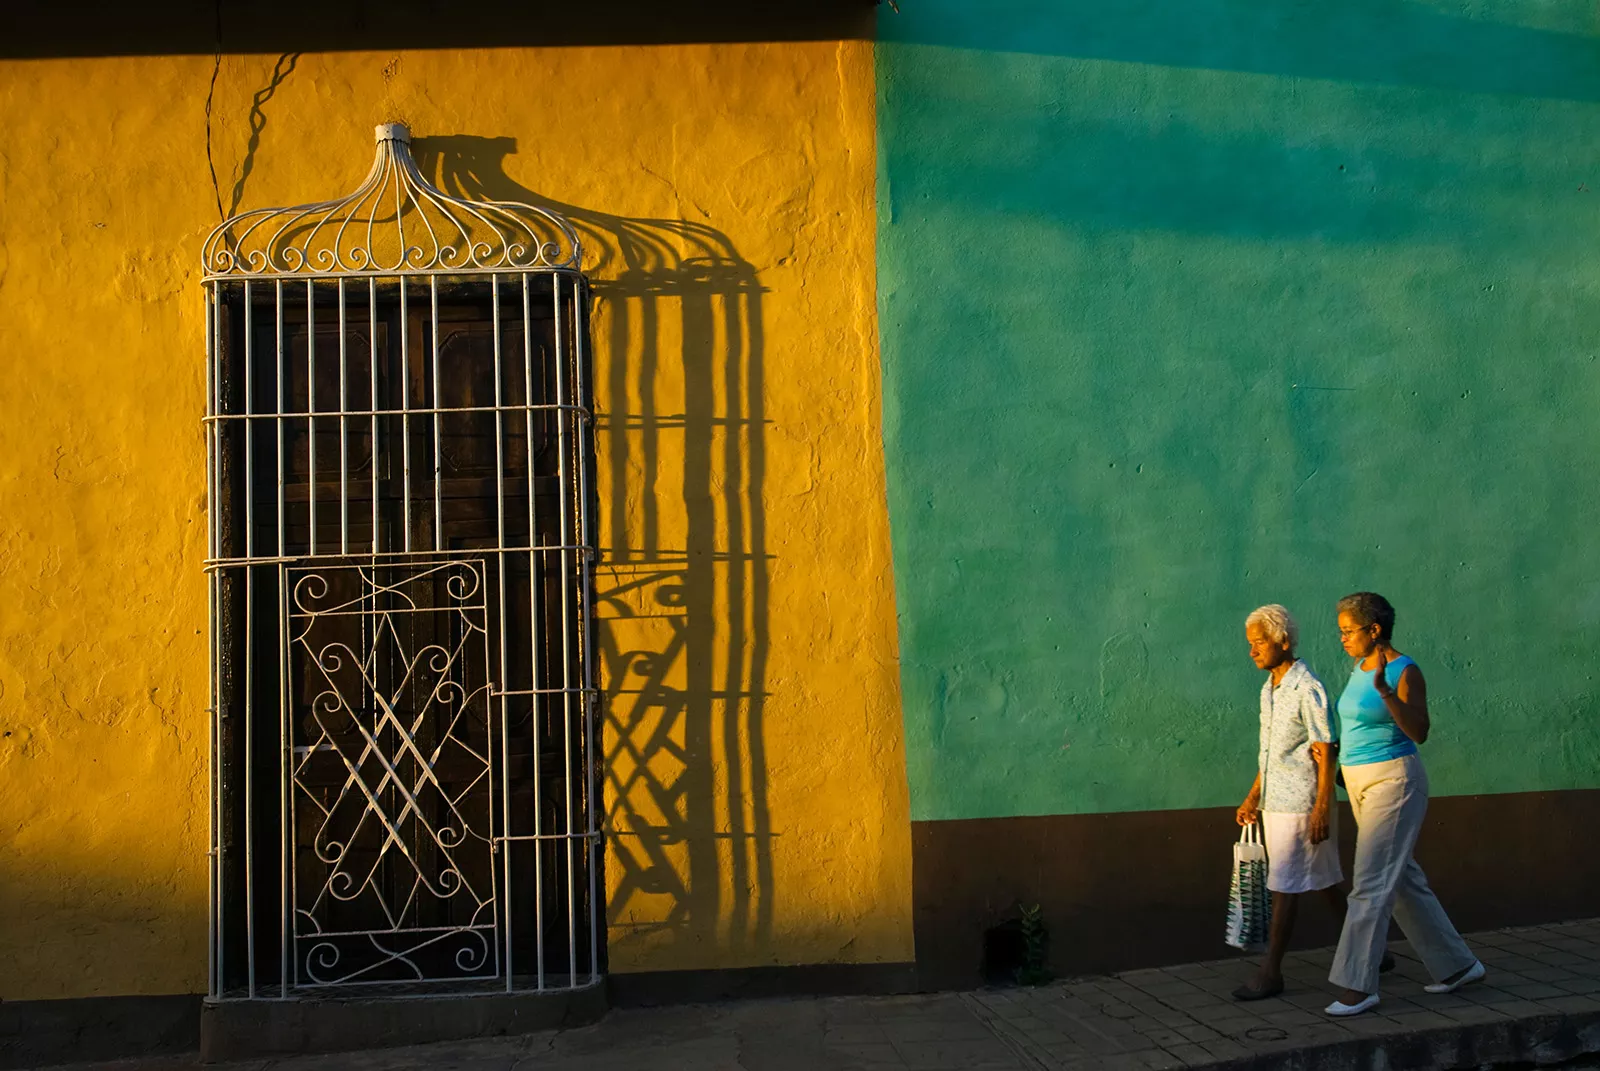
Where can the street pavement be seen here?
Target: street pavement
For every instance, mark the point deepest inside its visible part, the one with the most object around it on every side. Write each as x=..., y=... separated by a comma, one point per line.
x=1540, y=1002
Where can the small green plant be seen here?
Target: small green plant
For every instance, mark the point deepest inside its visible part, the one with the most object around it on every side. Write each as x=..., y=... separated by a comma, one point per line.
x=1035, y=947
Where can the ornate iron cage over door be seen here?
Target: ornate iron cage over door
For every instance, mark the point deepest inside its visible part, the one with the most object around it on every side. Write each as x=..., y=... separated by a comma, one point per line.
x=404, y=745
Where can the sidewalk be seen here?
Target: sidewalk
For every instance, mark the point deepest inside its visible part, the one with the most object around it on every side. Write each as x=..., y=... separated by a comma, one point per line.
x=1540, y=1003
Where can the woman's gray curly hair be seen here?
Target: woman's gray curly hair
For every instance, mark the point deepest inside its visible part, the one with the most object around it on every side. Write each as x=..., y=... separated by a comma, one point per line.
x=1277, y=622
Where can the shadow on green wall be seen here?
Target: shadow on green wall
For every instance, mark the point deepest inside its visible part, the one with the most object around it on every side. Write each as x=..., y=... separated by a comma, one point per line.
x=1382, y=42
x=1187, y=308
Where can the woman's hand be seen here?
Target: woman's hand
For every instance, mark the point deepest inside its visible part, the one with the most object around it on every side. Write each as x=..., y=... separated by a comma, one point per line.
x=1317, y=828
x=1248, y=811
x=1408, y=703
x=1380, y=683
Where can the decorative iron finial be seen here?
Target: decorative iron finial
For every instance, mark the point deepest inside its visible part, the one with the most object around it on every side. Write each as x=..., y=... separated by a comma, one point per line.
x=396, y=221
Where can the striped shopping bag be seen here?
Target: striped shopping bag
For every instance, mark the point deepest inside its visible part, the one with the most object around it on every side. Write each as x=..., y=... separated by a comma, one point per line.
x=1249, y=902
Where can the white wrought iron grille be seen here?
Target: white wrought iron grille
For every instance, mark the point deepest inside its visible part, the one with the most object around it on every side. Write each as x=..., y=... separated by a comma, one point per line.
x=404, y=732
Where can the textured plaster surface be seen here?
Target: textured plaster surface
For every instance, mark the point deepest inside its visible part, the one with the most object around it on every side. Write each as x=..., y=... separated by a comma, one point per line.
x=1190, y=307
x=757, y=808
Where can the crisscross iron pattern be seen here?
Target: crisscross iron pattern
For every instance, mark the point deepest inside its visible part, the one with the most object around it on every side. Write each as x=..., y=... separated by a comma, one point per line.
x=392, y=783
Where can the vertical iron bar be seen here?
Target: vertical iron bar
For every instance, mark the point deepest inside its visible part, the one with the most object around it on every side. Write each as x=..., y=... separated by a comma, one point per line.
x=344, y=432
x=405, y=413
x=585, y=415
x=505, y=624
x=249, y=651
x=438, y=404
x=536, y=702
x=311, y=415
x=283, y=632
x=566, y=623
x=285, y=749
x=213, y=463
x=283, y=513
x=372, y=331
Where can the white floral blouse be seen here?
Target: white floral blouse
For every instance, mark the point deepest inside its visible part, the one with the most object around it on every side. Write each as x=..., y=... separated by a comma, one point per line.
x=1294, y=715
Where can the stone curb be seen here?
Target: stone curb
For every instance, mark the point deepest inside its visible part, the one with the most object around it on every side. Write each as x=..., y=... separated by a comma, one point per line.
x=1541, y=1040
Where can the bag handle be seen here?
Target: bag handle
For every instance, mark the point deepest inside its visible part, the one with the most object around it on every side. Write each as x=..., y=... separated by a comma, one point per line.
x=1252, y=834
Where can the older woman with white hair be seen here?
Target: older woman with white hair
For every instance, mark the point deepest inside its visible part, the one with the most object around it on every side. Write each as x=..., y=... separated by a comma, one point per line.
x=1293, y=789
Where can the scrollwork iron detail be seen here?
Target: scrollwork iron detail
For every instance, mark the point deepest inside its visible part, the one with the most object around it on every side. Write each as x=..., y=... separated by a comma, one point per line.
x=394, y=880
x=395, y=222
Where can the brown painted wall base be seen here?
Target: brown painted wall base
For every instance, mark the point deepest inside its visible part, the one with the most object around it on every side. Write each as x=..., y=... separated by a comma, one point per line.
x=1149, y=888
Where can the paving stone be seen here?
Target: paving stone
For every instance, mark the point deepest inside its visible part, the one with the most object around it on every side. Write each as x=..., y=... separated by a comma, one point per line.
x=1169, y=987
x=1193, y=971
x=1534, y=991
x=1484, y=993
x=1421, y=1020
x=958, y=1055
x=1076, y=1005
x=1048, y=1037
x=1172, y=1017
x=1128, y=1061
x=1371, y=1025
x=1572, y=943
x=1164, y=1037
x=1473, y=1014
x=1192, y=1002
x=876, y=1054
x=1293, y=1017
x=1559, y=958
x=1520, y=1009
x=921, y=1030
x=1392, y=1001
x=1223, y=1049
x=1188, y=1054
x=1573, y=1005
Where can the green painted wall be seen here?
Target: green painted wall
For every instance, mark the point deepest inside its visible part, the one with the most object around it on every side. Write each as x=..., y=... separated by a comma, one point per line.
x=1191, y=305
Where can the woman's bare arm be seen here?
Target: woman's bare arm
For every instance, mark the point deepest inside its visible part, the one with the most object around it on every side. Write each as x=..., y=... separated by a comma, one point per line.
x=1321, y=811
x=1408, y=702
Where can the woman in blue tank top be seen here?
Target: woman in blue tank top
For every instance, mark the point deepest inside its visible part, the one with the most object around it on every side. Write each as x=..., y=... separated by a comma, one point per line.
x=1383, y=716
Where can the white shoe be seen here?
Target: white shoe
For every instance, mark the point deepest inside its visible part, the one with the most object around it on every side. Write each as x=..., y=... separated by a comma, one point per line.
x=1473, y=973
x=1341, y=1009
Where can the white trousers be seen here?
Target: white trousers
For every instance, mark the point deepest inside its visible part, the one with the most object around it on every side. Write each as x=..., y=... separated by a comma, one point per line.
x=1389, y=800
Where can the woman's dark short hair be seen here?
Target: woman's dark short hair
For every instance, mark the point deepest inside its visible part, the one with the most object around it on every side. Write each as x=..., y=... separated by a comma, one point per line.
x=1369, y=608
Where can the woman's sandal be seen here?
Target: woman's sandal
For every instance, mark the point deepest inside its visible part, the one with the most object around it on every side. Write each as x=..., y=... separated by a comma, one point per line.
x=1246, y=992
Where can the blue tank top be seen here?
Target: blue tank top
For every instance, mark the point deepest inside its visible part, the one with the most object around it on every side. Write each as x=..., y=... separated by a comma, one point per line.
x=1367, y=731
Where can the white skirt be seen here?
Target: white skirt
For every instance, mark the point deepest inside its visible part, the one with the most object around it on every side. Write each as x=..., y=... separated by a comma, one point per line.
x=1294, y=864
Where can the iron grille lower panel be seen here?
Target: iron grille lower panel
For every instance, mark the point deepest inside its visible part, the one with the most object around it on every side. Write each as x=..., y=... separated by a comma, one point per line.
x=390, y=765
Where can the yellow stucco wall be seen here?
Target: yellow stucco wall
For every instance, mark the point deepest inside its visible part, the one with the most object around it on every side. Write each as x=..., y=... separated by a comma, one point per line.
x=756, y=795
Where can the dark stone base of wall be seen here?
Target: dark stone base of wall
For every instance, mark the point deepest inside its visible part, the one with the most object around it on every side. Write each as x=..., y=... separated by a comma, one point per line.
x=45, y=1032
x=1149, y=888
x=823, y=979
x=34, y=1033
x=232, y=1030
